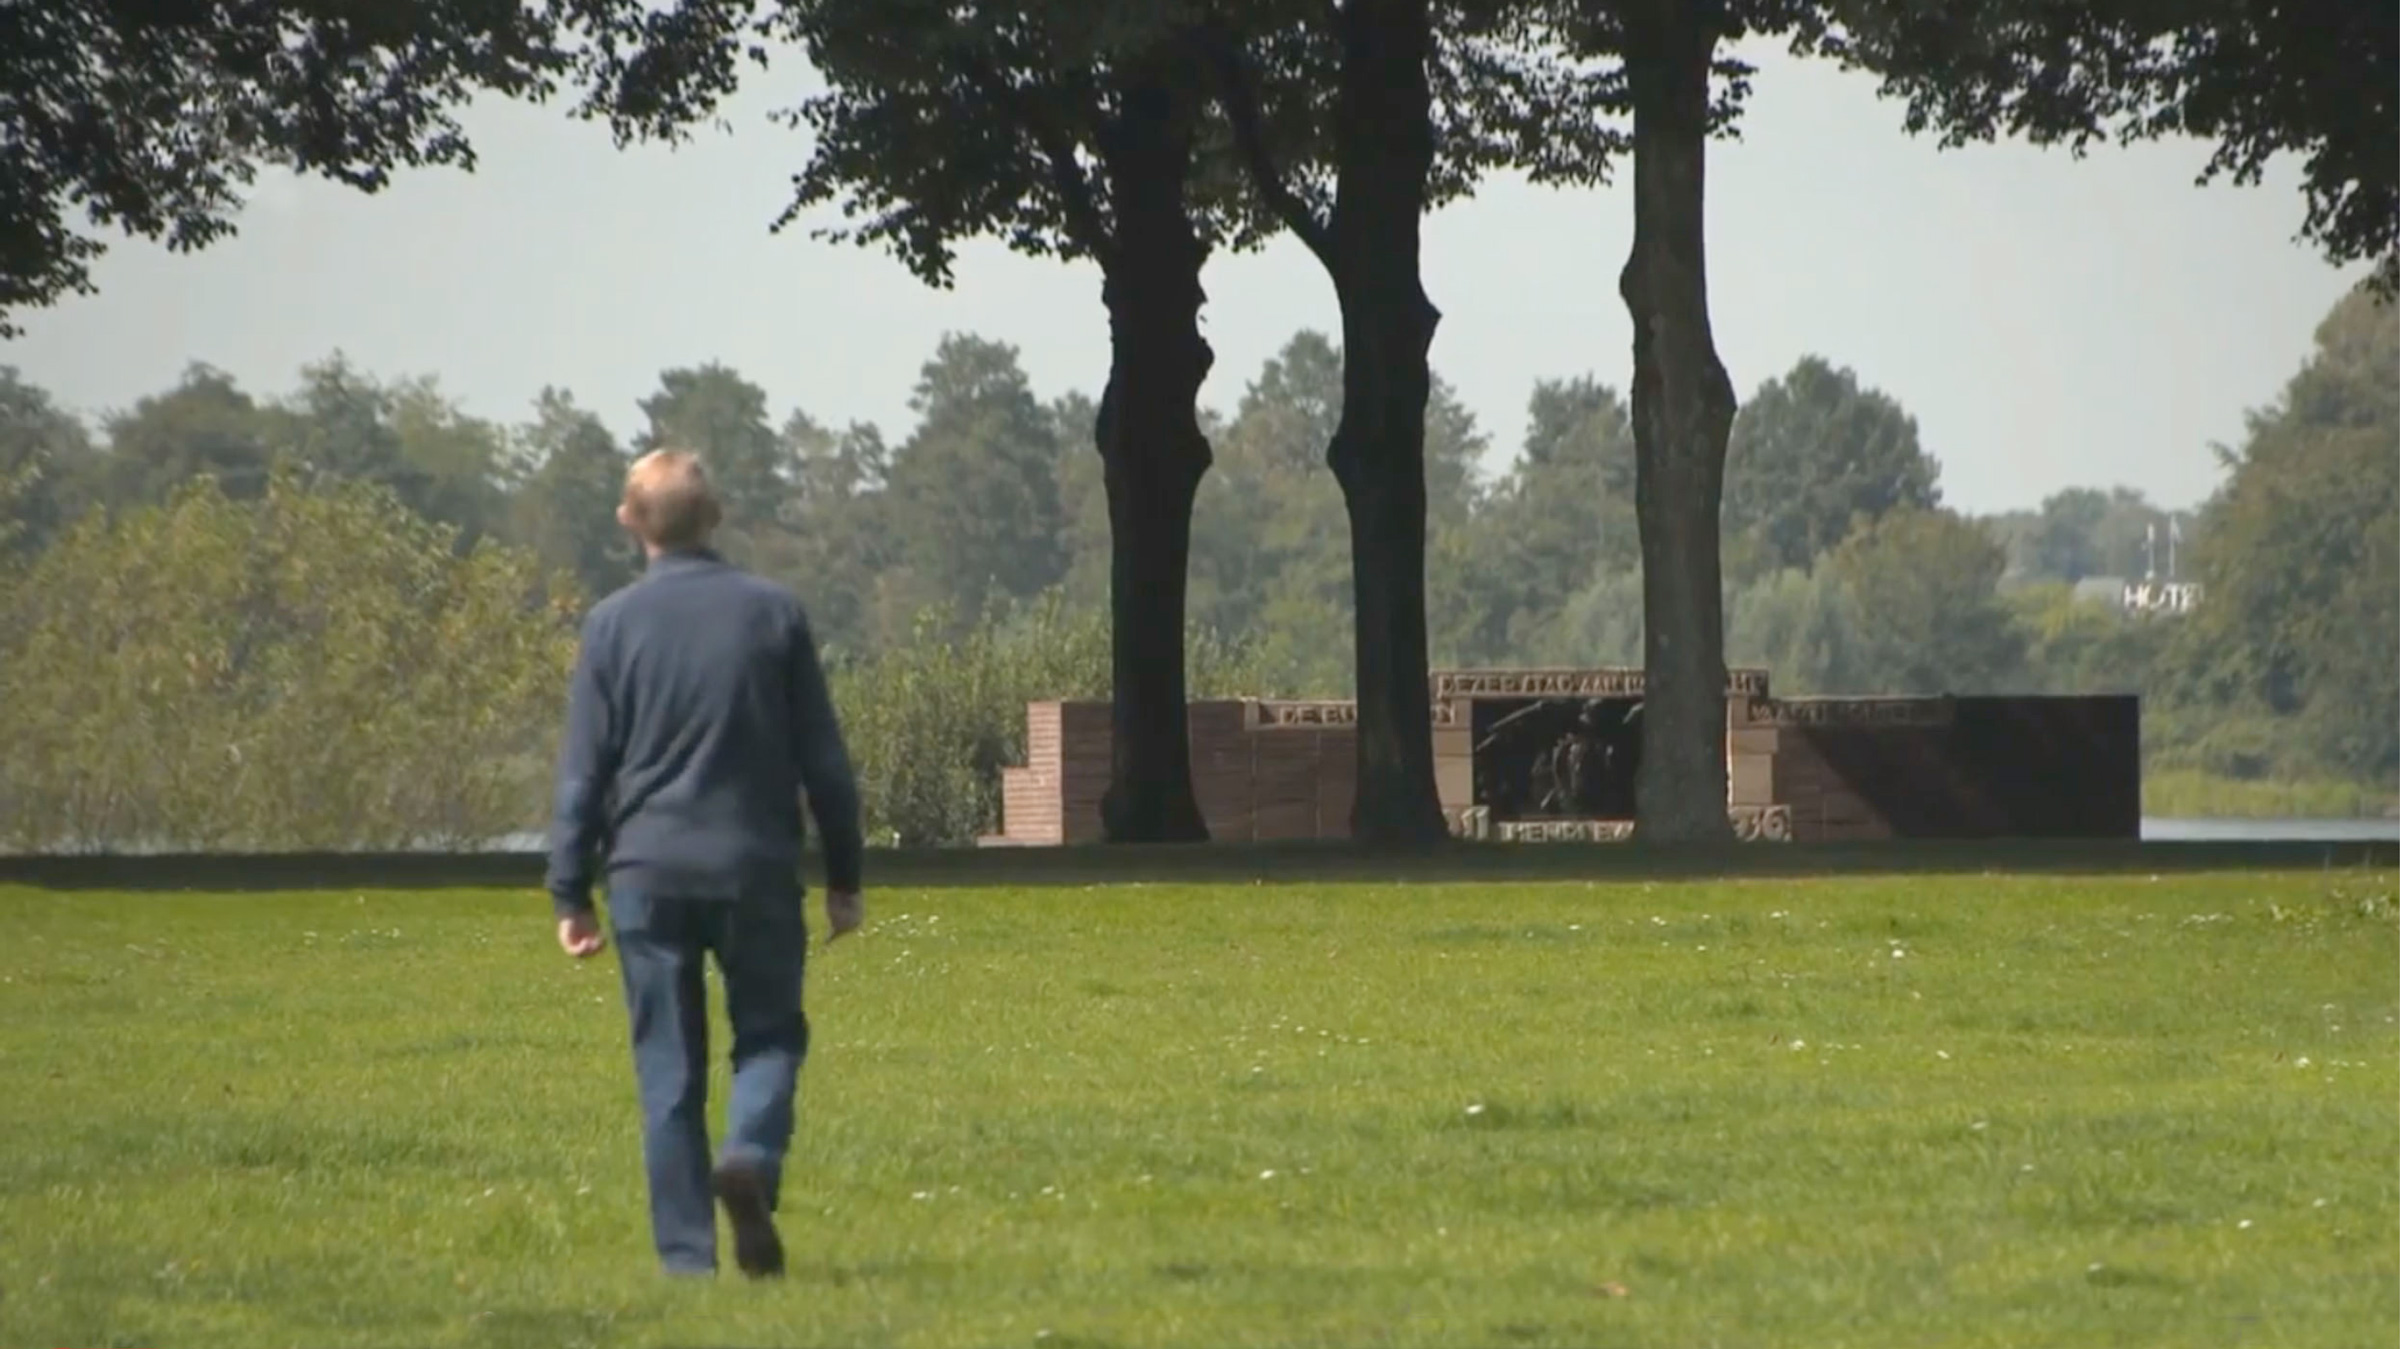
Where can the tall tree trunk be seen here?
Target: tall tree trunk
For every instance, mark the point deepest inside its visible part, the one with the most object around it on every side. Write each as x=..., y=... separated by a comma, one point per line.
x=1378, y=457
x=1153, y=456
x=1683, y=406
x=1384, y=131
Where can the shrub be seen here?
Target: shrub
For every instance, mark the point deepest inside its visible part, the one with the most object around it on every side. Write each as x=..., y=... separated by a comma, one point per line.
x=931, y=722
x=317, y=669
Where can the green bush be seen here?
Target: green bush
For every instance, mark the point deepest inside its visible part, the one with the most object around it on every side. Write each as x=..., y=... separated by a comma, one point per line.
x=2179, y=793
x=318, y=669
x=932, y=722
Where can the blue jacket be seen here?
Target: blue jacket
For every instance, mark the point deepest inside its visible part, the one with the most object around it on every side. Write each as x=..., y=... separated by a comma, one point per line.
x=697, y=717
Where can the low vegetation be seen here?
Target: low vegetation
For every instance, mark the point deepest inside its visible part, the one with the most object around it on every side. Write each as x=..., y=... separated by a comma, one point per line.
x=2183, y=794
x=1910, y=1112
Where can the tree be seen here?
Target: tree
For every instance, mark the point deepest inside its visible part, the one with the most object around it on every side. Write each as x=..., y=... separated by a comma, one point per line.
x=2300, y=609
x=1580, y=426
x=1807, y=630
x=461, y=458
x=17, y=484
x=1560, y=519
x=1065, y=130
x=838, y=541
x=1456, y=495
x=714, y=412
x=1267, y=529
x=1600, y=624
x=1425, y=98
x=46, y=463
x=973, y=496
x=150, y=119
x=205, y=426
x=2315, y=79
x=568, y=479
x=2257, y=79
x=1923, y=593
x=2078, y=645
x=337, y=425
x=2063, y=543
x=1269, y=552
x=317, y=667
x=1073, y=130
x=343, y=423
x=1812, y=458
x=2084, y=531
x=1682, y=398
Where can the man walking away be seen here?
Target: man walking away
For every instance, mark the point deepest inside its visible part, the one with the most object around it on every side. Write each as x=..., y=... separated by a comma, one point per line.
x=697, y=717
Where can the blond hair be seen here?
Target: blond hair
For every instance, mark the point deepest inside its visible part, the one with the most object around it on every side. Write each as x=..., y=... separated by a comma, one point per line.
x=667, y=499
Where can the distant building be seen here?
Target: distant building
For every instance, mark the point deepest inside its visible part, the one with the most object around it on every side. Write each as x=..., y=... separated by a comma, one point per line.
x=2108, y=590
x=2161, y=597
x=2140, y=597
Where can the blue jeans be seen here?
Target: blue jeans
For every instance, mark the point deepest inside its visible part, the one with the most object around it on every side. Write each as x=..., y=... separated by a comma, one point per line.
x=760, y=943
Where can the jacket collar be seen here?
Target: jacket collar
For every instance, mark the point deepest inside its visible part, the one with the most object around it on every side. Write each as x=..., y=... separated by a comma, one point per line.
x=682, y=559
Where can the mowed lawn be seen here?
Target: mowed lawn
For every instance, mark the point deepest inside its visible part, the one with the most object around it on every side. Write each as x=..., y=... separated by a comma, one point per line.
x=1907, y=1112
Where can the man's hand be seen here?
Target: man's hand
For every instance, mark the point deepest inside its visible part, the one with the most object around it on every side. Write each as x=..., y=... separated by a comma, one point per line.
x=844, y=911
x=579, y=936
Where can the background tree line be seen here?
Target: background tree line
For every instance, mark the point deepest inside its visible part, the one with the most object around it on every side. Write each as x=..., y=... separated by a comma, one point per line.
x=208, y=583
x=1141, y=137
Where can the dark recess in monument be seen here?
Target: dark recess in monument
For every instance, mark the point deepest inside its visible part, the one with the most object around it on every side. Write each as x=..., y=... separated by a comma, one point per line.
x=1556, y=758
x=1997, y=768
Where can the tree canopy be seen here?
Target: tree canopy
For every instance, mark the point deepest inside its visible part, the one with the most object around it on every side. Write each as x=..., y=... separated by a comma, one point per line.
x=2280, y=675
x=2317, y=80
x=2300, y=552
x=317, y=667
x=1813, y=456
x=152, y=119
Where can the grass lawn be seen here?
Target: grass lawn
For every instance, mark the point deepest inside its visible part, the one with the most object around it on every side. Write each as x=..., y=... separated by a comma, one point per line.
x=1907, y=1112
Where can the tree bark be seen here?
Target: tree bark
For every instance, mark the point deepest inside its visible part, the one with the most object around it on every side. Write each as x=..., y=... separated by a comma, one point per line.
x=1369, y=247
x=1378, y=457
x=1384, y=145
x=1683, y=406
x=1153, y=456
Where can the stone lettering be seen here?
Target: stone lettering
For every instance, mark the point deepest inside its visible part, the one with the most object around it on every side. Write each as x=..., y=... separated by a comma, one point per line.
x=1310, y=715
x=1611, y=682
x=1861, y=713
x=1270, y=714
x=1565, y=831
x=1751, y=824
x=1761, y=824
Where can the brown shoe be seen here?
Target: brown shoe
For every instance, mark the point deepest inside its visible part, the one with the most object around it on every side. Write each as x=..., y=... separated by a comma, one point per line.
x=757, y=1249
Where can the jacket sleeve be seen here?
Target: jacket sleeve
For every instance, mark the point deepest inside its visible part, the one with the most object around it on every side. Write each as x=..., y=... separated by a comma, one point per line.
x=587, y=765
x=824, y=763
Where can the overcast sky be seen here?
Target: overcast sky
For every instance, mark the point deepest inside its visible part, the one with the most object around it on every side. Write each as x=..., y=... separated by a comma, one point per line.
x=2049, y=322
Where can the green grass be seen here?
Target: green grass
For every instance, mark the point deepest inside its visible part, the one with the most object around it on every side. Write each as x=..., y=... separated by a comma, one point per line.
x=1899, y=1111
x=2183, y=794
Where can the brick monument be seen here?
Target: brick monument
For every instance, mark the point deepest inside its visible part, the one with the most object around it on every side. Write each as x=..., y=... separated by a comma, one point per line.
x=1528, y=756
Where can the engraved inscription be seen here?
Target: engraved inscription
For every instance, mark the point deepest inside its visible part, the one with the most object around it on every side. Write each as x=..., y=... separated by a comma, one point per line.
x=1565, y=831
x=1305, y=715
x=1863, y=713
x=1269, y=714
x=1761, y=824
x=1611, y=682
x=1751, y=824
x=1619, y=683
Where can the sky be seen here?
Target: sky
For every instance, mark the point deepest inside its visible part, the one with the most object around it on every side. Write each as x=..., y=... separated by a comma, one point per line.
x=2049, y=322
